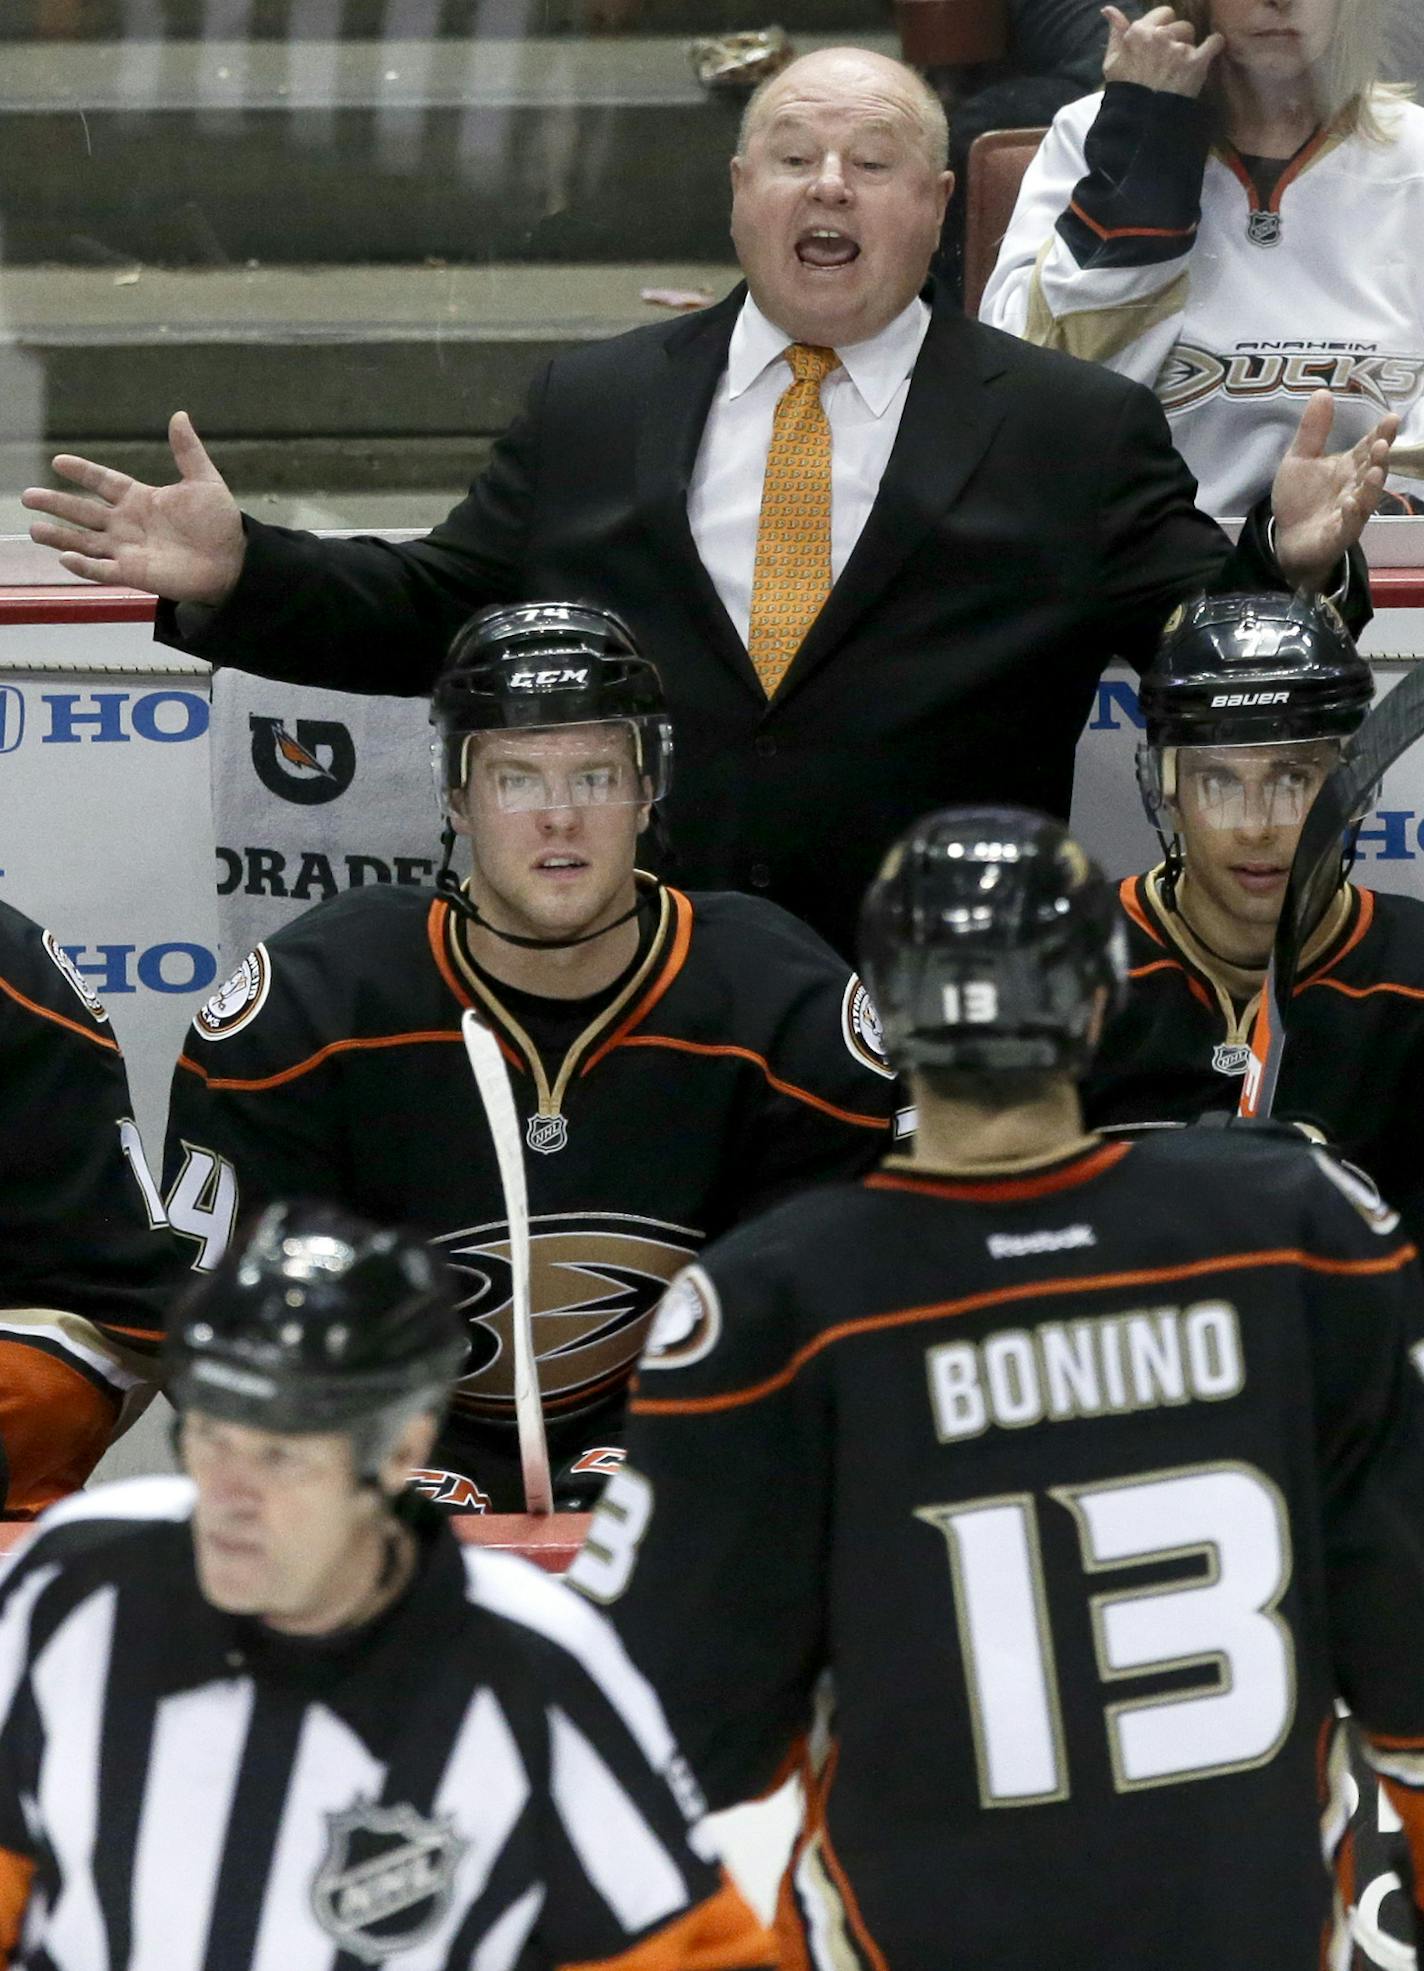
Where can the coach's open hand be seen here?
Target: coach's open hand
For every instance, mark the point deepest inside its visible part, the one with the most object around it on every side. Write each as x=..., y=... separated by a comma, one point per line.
x=1321, y=500
x=183, y=542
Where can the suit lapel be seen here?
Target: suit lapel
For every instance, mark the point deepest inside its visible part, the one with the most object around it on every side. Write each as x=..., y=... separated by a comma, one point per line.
x=686, y=372
x=948, y=421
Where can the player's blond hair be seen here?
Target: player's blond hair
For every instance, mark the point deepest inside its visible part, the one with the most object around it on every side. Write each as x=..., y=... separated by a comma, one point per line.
x=1352, y=97
x=925, y=107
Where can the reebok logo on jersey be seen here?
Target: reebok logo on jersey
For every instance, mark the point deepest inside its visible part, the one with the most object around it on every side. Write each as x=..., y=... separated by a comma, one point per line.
x=386, y=1879
x=1023, y=1245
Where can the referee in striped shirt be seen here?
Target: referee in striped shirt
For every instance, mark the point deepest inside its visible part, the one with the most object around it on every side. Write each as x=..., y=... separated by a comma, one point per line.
x=271, y=1716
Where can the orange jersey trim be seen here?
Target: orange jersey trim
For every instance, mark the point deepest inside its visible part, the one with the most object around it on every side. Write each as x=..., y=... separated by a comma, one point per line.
x=1131, y=232
x=1128, y=898
x=817, y=1790
x=249, y=1084
x=672, y=965
x=759, y=1061
x=60, y=1019
x=1364, y=917
x=736, y=1399
x=720, y=1934
x=437, y=929
x=1366, y=992
x=1395, y=1744
x=1005, y=1190
x=16, y=1874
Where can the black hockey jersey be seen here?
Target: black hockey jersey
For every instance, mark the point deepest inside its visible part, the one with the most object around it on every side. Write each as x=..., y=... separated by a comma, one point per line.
x=737, y=1064
x=1354, y=1062
x=479, y=1778
x=1094, y=1485
x=81, y=1225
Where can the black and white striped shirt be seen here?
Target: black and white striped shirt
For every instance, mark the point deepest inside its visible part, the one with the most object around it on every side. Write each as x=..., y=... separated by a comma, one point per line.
x=480, y=1779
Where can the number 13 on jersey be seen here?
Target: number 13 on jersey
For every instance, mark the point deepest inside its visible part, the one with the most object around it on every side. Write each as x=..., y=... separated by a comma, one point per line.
x=1224, y=1622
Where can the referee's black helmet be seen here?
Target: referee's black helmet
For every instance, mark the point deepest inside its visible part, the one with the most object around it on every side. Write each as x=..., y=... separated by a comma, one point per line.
x=316, y=1321
x=988, y=941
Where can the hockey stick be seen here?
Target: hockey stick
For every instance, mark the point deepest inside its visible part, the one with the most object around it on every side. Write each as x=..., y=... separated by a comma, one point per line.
x=1394, y=725
x=492, y=1080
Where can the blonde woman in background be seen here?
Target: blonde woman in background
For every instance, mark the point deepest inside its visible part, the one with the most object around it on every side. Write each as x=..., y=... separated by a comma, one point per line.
x=1236, y=220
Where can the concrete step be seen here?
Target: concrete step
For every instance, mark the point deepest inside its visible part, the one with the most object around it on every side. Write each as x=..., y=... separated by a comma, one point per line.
x=359, y=366
x=219, y=153
x=372, y=20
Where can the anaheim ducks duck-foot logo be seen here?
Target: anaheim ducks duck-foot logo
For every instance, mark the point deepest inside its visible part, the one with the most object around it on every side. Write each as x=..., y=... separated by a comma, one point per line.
x=308, y=762
x=387, y=1878
x=594, y=1281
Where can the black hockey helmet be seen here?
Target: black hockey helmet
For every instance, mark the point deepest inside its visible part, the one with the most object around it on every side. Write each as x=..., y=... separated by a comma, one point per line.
x=316, y=1321
x=541, y=664
x=986, y=940
x=1248, y=670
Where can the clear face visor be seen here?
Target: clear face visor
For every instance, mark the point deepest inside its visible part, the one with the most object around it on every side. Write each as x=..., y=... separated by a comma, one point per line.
x=537, y=769
x=1254, y=788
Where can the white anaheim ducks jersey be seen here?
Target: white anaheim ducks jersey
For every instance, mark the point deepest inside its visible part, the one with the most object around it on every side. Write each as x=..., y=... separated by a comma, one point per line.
x=1136, y=245
x=476, y=1781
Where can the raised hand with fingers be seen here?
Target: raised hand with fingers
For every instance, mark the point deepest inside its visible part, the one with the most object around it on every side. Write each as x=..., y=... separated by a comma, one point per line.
x=1159, y=51
x=1321, y=500
x=183, y=542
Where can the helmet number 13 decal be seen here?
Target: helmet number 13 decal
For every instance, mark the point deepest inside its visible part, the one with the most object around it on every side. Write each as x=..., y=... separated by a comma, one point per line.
x=1223, y=1621
x=975, y=1003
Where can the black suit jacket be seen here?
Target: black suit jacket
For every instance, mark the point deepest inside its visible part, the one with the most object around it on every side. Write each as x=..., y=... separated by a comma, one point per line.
x=1033, y=522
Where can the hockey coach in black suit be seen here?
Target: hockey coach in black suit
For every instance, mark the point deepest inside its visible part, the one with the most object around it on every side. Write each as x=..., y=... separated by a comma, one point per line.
x=879, y=553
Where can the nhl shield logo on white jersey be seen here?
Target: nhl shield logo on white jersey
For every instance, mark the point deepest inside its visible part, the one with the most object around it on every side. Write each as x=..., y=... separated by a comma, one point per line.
x=545, y=1134
x=387, y=1878
x=1230, y=1057
x=1264, y=229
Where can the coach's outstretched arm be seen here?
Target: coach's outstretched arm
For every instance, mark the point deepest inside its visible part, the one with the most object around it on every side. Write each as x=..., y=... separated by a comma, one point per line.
x=183, y=542
x=1321, y=500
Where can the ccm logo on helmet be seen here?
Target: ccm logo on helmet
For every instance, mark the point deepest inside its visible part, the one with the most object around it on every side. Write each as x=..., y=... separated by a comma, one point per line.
x=1249, y=698
x=542, y=680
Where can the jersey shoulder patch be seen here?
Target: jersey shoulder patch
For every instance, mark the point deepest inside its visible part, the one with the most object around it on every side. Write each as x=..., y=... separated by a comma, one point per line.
x=860, y=1024
x=73, y=977
x=1353, y=1183
x=238, y=1000
x=687, y=1324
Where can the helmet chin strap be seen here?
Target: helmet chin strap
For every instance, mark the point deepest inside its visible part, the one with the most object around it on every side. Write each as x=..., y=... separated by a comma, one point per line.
x=454, y=893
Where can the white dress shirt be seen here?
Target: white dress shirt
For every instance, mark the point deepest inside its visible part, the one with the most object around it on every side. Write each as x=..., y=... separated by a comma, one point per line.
x=863, y=402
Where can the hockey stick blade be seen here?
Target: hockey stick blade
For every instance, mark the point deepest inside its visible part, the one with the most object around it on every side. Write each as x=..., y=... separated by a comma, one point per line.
x=1396, y=724
x=492, y=1080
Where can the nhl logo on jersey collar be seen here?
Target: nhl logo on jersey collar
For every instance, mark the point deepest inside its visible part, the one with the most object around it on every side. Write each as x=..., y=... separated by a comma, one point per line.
x=1264, y=229
x=387, y=1878
x=545, y=1134
x=1230, y=1057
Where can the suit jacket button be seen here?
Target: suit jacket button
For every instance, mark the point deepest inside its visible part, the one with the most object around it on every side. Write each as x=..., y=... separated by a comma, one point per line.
x=766, y=746
x=760, y=876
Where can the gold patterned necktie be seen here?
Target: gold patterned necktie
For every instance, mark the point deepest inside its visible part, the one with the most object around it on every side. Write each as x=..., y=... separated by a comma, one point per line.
x=792, y=577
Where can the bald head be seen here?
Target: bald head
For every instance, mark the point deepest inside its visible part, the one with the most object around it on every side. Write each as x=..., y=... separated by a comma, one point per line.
x=837, y=69
x=838, y=193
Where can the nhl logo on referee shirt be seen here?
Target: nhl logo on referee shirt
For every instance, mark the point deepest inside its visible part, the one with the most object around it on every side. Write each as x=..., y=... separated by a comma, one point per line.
x=387, y=1878
x=546, y=1134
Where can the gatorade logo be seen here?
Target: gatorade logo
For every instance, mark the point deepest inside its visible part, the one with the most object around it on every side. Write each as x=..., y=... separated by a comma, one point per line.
x=308, y=763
